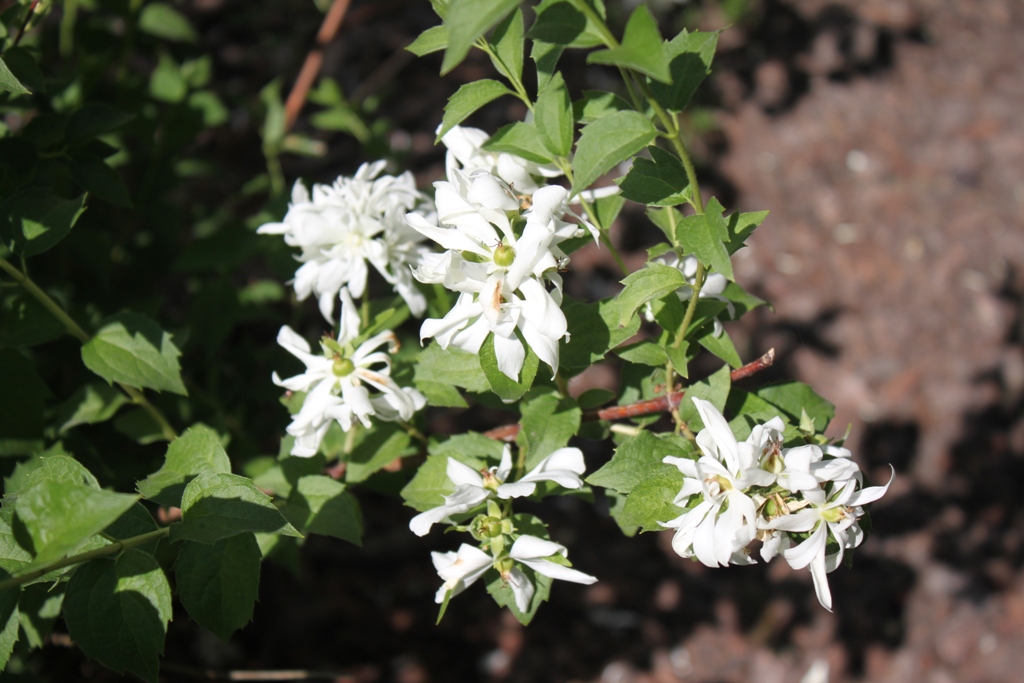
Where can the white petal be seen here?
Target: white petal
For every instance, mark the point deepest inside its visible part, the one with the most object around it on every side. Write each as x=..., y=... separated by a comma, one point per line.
x=558, y=571
x=510, y=355
x=720, y=432
x=532, y=547
x=872, y=493
x=522, y=589
x=349, y=318
x=563, y=466
x=803, y=554
x=460, y=473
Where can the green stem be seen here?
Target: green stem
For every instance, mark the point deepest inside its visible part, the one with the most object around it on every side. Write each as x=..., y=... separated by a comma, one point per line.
x=606, y=239
x=81, y=335
x=412, y=431
x=516, y=83
x=692, y=306
x=111, y=549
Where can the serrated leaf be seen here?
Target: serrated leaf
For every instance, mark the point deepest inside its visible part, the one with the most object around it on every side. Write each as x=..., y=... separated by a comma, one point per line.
x=645, y=352
x=651, y=282
x=703, y=236
x=13, y=558
x=49, y=466
x=467, y=100
x=321, y=505
x=218, y=584
x=740, y=226
x=689, y=58
x=23, y=398
x=433, y=39
x=521, y=139
x=553, y=117
x=472, y=444
x=139, y=426
x=650, y=501
x=132, y=349
x=545, y=56
x=641, y=48
x=36, y=219
x=793, y=397
x=95, y=177
x=593, y=331
x=383, y=445
x=562, y=24
x=431, y=484
x=596, y=104
x=721, y=345
x=163, y=21
x=117, y=611
x=608, y=141
x=636, y=459
x=451, y=366
x=92, y=120
x=548, y=422
x=90, y=404
x=507, y=389
x=134, y=522
x=467, y=20
x=714, y=389
x=217, y=505
x=9, y=82
x=196, y=451
x=507, y=44
x=742, y=300
x=441, y=395
x=10, y=618
x=659, y=181
x=667, y=219
x=38, y=609
x=60, y=515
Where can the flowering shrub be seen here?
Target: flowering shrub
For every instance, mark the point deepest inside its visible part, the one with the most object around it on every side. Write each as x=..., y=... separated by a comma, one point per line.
x=477, y=266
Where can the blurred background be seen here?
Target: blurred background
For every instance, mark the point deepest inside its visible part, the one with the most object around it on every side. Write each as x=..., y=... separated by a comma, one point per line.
x=887, y=140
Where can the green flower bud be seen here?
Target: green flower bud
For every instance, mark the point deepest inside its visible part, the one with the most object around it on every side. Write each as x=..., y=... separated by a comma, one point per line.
x=343, y=367
x=504, y=256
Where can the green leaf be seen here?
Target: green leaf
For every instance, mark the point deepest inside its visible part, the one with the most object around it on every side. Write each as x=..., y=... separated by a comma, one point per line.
x=35, y=219
x=502, y=592
x=562, y=24
x=166, y=83
x=10, y=83
x=721, y=345
x=545, y=56
x=218, y=505
x=740, y=226
x=117, y=611
x=593, y=331
x=451, y=366
x=94, y=176
x=60, y=515
x=23, y=397
x=641, y=49
x=24, y=321
x=195, y=452
x=507, y=389
x=139, y=426
x=90, y=404
x=132, y=349
x=548, y=422
x=645, y=352
x=93, y=120
x=471, y=444
x=218, y=584
x=596, y=104
x=714, y=389
x=667, y=219
x=430, y=485
x=507, y=44
x=608, y=141
x=13, y=558
x=704, y=236
x=135, y=522
x=650, y=501
x=741, y=300
x=521, y=139
x=793, y=397
x=606, y=209
x=321, y=505
x=382, y=446
x=24, y=68
x=433, y=39
x=38, y=609
x=50, y=466
x=659, y=181
x=10, y=618
x=467, y=100
x=689, y=56
x=553, y=117
x=636, y=459
x=593, y=398
x=651, y=282
x=467, y=20
x=441, y=395
x=163, y=21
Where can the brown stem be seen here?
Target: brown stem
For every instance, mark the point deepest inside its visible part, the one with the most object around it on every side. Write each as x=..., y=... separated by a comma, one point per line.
x=314, y=60
x=24, y=24
x=651, y=407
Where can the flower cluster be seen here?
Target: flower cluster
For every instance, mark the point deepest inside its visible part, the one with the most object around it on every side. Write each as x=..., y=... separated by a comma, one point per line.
x=502, y=253
x=346, y=381
x=502, y=546
x=342, y=227
x=802, y=502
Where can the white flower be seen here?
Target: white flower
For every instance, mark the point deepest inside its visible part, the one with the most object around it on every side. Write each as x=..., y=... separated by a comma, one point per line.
x=339, y=381
x=713, y=287
x=563, y=467
x=341, y=227
x=533, y=552
x=501, y=273
x=465, y=154
x=459, y=569
x=723, y=522
x=826, y=516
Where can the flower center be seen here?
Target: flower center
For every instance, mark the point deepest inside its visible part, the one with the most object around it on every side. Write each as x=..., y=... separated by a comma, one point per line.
x=833, y=514
x=342, y=367
x=722, y=483
x=504, y=256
